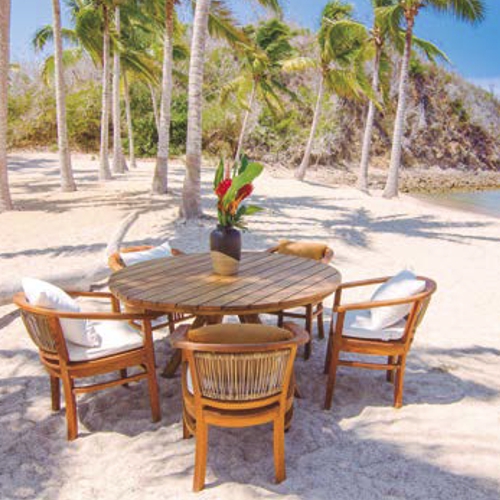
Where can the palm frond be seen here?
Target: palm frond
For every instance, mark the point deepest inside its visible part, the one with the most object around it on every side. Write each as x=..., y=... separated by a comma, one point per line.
x=472, y=11
x=431, y=51
x=300, y=63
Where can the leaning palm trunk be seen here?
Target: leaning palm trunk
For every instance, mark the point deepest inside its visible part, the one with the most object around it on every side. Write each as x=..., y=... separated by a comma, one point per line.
x=119, y=163
x=191, y=192
x=301, y=170
x=5, y=199
x=67, y=180
x=391, y=186
x=155, y=106
x=370, y=118
x=245, y=121
x=104, y=171
x=160, y=178
x=130, y=128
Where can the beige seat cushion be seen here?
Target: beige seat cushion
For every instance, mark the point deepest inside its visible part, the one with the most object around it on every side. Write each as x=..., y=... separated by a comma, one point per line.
x=114, y=336
x=358, y=324
x=305, y=249
x=238, y=334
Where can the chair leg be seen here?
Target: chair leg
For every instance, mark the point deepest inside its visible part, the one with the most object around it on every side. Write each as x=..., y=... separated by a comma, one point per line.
x=200, y=464
x=321, y=326
x=55, y=393
x=309, y=323
x=154, y=397
x=279, y=448
x=332, y=376
x=186, y=433
x=71, y=411
x=389, y=376
x=171, y=323
x=123, y=375
x=329, y=349
x=398, y=386
x=280, y=319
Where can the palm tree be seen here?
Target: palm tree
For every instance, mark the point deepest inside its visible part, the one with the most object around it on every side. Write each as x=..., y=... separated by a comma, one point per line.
x=191, y=192
x=160, y=178
x=119, y=163
x=5, y=198
x=382, y=33
x=263, y=56
x=67, y=180
x=104, y=170
x=467, y=10
x=341, y=58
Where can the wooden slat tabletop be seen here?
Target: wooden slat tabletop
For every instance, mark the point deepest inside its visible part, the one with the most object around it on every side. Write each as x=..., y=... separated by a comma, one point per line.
x=265, y=283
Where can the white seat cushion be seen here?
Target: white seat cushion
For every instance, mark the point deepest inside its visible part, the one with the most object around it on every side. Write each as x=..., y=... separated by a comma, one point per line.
x=358, y=324
x=115, y=337
x=131, y=258
x=43, y=294
x=403, y=285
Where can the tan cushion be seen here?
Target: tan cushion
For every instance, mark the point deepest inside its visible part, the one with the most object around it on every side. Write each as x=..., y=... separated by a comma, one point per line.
x=305, y=249
x=238, y=334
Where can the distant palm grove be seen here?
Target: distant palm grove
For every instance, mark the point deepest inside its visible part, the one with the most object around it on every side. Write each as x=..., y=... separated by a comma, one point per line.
x=128, y=79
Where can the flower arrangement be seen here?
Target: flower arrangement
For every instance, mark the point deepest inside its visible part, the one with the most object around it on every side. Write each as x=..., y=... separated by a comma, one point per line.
x=232, y=188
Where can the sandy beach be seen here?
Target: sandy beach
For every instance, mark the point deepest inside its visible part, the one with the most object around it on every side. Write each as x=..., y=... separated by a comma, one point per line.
x=443, y=444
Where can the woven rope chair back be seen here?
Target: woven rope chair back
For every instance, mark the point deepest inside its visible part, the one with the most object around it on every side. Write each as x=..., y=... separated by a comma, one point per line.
x=40, y=330
x=241, y=377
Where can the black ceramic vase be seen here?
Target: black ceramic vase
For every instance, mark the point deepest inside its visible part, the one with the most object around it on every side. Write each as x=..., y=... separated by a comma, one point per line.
x=225, y=250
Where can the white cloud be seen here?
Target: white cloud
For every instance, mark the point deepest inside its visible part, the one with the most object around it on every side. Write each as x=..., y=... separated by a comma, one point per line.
x=489, y=84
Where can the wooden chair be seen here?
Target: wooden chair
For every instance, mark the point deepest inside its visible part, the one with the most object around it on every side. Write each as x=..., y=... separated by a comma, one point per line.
x=311, y=250
x=393, y=342
x=246, y=382
x=67, y=362
x=115, y=262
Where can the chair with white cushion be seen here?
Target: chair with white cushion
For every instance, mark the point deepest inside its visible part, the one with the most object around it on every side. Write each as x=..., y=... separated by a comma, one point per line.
x=133, y=255
x=74, y=344
x=383, y=326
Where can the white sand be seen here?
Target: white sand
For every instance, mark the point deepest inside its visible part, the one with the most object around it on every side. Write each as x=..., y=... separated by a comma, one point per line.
x=444, y=443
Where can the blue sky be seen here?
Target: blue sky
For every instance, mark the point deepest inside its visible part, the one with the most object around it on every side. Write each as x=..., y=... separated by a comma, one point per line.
x=473, y=50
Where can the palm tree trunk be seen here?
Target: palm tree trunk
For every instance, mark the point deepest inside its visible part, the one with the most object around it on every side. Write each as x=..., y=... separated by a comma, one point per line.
x=160, y=178
x=104, y=171
x=119, y=163
x=245, y=121
x=300, y=173
x=5, y=199
x=391, y=186
x=191, y=192
x=155, y=105
x=67, y=180
x=130, y=128
x=370, y=118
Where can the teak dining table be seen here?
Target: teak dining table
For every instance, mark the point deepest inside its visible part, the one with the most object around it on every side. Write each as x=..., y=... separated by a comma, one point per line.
x=265, y=283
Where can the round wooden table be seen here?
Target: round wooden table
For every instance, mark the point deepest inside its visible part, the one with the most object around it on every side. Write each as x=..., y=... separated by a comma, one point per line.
x=265, y=283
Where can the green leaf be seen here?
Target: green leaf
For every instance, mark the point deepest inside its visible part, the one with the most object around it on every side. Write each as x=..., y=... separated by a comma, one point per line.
x=219, y=173
x=244, y=163
x=253, y=209
x=252, y=171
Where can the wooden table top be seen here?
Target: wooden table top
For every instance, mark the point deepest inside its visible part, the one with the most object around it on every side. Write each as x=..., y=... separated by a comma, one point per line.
x=265, y=283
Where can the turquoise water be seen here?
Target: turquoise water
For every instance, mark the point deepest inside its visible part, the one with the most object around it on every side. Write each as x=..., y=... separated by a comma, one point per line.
x=486, y=202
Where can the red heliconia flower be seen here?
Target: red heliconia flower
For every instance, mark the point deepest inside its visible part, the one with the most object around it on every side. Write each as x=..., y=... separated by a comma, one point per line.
x=244, y=192
x=223, y=187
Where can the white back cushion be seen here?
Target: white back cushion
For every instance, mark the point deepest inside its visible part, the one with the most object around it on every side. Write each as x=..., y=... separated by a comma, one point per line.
x=158, y=252
x=43, y=294
x=403, y=285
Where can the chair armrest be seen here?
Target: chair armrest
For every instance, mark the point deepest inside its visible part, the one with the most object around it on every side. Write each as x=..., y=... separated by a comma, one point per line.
x=300, y=334
x=355, y=284
x=97, y=295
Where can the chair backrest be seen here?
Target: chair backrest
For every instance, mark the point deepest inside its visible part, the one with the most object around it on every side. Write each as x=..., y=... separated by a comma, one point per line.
x=42, y=326
x=115, y=262
x=241, y=377
x=306, y=249
x=419, y=308
x=241, y=372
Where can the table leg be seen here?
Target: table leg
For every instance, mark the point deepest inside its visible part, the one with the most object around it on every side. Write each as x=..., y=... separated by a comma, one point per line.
x=250, y=318
x=175, y=360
